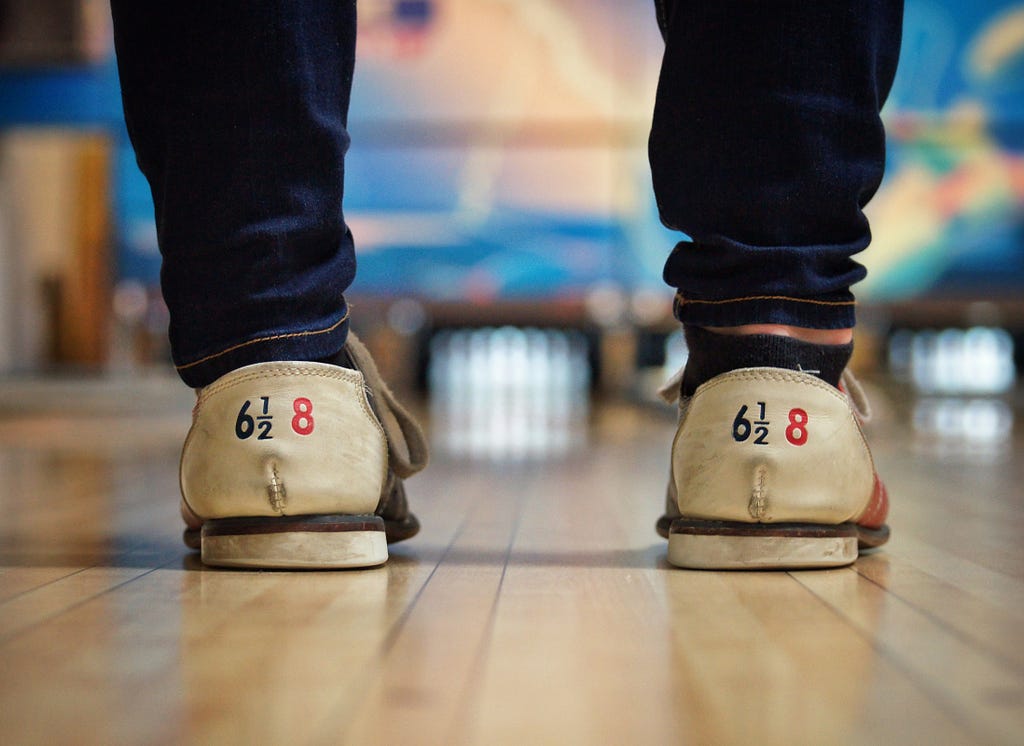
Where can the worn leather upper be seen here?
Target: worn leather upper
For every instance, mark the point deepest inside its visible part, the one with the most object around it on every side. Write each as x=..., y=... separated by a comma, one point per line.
x=290, y=438
x=768, y=445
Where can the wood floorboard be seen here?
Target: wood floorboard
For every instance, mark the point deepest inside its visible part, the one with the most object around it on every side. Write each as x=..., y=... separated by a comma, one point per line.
x=536, y=606
x=15, y=582
x=33, y=609
x=443, y=638
x=979, y=612
x=978, y=691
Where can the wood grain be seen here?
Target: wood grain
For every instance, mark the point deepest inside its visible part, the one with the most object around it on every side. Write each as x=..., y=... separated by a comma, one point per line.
x=535, y=607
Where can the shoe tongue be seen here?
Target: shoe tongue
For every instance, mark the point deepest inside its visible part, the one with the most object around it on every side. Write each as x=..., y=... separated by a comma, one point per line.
x=713, y=354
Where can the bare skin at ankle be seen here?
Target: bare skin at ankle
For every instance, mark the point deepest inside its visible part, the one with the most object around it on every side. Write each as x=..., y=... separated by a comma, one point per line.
x=815, y=336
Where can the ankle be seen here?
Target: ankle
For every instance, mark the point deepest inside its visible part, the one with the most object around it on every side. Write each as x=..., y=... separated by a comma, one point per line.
x=713, y=352
x=804, y=334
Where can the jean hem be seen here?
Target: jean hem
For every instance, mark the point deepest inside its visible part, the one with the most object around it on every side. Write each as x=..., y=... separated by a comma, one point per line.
x=809, y=313
x=313, y=344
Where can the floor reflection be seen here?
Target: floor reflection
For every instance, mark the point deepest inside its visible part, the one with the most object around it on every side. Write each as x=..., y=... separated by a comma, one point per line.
x=962, y=380
x=791, y=667
x=978, y=428
x=304, y=644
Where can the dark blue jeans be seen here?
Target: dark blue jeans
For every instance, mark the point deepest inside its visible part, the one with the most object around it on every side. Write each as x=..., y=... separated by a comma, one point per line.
x=765, y=146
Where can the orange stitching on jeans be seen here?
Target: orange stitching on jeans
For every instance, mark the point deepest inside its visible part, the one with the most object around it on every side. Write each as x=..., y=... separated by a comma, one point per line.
x=681, y=299
x=290, y=335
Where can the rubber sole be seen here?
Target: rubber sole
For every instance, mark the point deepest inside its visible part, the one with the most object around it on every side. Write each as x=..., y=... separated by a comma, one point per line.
x=295, y=542
x=723, y=545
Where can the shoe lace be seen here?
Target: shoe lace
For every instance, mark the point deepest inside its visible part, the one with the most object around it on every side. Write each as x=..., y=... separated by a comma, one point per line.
x=849, y=384
x=407, y=446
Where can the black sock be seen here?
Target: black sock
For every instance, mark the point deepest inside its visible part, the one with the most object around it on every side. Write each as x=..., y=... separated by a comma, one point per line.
x=713, y=354
x=340, y=358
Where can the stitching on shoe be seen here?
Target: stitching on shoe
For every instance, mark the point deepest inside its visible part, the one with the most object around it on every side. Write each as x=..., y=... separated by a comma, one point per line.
x=288, y=369
x=279, y=370
x=772, y=374
x=783, y=376
x=284, y=370
x=271, y=370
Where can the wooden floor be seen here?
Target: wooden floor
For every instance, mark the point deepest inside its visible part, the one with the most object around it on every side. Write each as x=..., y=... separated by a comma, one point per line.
x=535, y=607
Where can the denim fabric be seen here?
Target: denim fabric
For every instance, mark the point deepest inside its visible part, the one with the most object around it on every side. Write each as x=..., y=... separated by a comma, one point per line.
x=237, y=110
x=766, y=145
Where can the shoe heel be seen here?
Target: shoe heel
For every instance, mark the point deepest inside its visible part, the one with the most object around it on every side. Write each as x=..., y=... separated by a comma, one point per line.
x=724, y=545
x=295, y=542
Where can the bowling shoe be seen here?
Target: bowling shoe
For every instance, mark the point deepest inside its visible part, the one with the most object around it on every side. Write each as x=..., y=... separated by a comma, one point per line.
x=299, y=465
x=770, y=469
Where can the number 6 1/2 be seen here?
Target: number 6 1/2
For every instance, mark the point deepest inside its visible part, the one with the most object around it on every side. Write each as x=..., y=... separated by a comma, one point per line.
x=742, y=428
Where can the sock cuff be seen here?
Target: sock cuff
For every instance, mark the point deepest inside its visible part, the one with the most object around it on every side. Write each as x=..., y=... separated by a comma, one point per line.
x=712, y=354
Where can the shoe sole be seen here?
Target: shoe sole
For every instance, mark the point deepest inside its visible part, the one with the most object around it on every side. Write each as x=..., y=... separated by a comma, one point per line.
x=723, y=545
x=314, y=542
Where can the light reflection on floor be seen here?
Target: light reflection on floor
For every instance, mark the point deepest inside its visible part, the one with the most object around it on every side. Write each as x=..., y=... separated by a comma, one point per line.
x=962, y=380
x=978, y=429
x=509, y=393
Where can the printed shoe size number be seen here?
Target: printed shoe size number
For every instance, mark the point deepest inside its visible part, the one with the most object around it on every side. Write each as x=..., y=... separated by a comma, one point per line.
x=756, y=431
x=254, y=418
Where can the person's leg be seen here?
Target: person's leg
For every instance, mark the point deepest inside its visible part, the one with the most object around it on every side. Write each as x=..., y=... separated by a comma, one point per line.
x=766, y=145
x=237, y=112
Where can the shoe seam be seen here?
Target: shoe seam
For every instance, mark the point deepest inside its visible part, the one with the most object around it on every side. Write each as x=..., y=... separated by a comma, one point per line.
x=771, y=374
x=784, y=376
x=271, y=370
x=279, y=370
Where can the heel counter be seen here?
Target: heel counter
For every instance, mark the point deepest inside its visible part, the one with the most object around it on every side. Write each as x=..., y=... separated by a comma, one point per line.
x=766, y=445
x=284, y=439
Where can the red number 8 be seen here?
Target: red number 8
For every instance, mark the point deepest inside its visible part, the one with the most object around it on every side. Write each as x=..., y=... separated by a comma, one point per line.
x=796, y=433
x=302, y=422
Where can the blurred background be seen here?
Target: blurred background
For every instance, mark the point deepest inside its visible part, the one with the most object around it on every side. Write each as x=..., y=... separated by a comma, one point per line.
x=509, y=248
